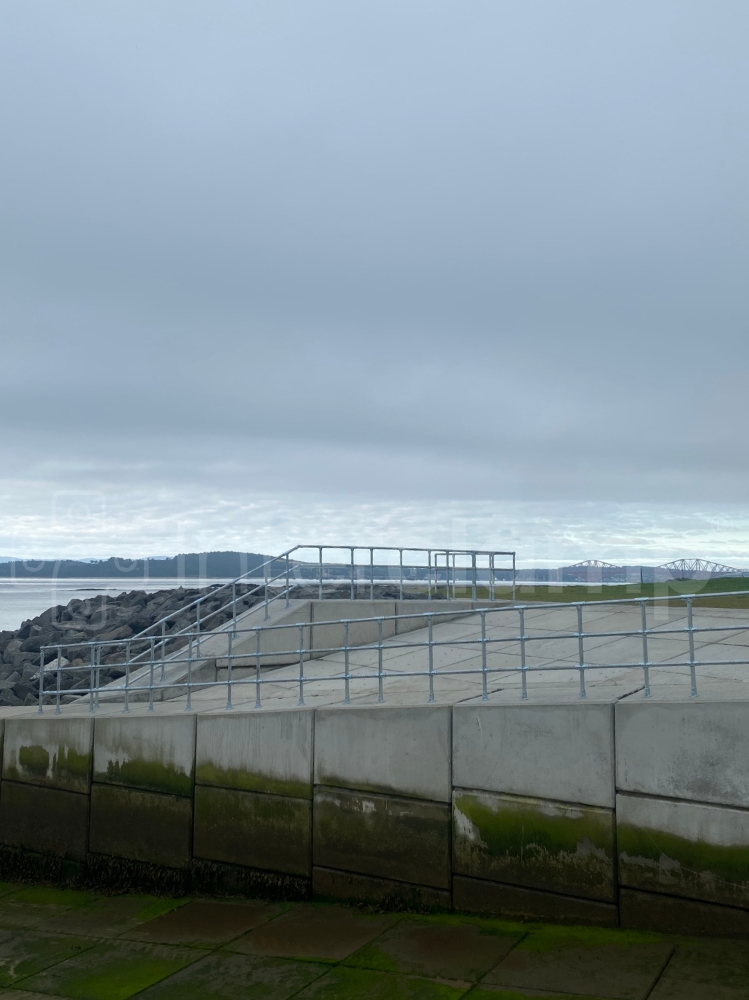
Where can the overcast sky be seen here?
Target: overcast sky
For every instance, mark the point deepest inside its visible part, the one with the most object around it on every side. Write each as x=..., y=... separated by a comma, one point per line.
x=402, y=252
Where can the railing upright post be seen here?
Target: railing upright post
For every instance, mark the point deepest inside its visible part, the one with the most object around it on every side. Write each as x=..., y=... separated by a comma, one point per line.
x=429, y=572
x=59, y=671
x=98, y=675
x=371, y=574
x=523, y=665
x=645, y=656
x=127, y=678
x=581, y=649
x=353, y=586
x=484, y=693
x=400, y=579
x=380, y=693
x=163, y=650
x=319, y=590
x=431, y=658
x=91, y=679
x=491, y=576
x=267, y=614
x=301, y=664
x=229, y=658
x=188, y=706
x=692, y=666
x=234, y=607
x=288, y=602
x=257, y=668
x=42, y=652
x=197, y=626
x=514, y=578
x=346, y=666
x=473, y=576
x=150, y=674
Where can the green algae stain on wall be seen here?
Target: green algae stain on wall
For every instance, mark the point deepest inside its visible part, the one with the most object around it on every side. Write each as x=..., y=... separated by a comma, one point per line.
x=536, y=843
x=652, y=859
x=60, y=766
x=150, y=775
x=248, y=781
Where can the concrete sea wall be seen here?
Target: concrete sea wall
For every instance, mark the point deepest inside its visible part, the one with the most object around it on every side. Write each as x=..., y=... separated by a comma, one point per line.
x=634, y=813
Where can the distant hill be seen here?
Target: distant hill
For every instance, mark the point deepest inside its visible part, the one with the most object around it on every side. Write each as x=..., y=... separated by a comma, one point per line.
x=193, y=565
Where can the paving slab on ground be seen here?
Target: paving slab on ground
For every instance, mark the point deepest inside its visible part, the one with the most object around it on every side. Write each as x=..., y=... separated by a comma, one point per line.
x=177, y=949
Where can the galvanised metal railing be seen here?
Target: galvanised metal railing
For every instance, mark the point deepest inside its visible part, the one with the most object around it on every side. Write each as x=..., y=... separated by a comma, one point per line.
x=439, y=573
x=484, y=643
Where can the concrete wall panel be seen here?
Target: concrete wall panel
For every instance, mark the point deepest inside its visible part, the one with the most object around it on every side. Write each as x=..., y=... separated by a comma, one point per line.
x=142, y=826
x=535, y=843
x=257, y=751
x=448, y=612
x=269, y=832
x=684, y=849
x=360, y=633
x=383, y=836
x=42, y=819
x=405, y=751
x=517, y=903
x=695, y=750
x=49, y=751
x=152, y=752
x=560, y=752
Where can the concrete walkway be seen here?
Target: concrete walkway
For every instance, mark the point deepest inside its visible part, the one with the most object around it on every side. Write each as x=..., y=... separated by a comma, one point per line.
x=64, y=943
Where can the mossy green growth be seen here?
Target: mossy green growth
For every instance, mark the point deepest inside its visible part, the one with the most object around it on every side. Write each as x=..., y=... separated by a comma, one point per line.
x=652, y=859
x=154, y=906
x=42, y=895
x=152, y=776
x=535, y=843
x=247, y=781
x=546, y=938
x=65, y=767
x=112, y=971
x=343, y=983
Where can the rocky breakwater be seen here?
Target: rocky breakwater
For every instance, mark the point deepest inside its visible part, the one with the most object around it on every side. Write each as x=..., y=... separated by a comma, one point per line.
x=104, y=619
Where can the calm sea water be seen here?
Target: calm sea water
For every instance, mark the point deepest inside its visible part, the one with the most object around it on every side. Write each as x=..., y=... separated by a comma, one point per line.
x=22, y=599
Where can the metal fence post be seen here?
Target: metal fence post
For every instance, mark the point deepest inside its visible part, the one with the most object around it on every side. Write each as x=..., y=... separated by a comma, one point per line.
x=127, y=678
x=265, y=571
x=346, y=668
x=353, y=586
x=491, y=576
x=523, y=665
x=400, y=565
x=692, y=667
x=42, y=652
x=188, y=706
x=319, y=591
x=257, y=668
x=581, y=649
x=288, y=602
x=473, y=576
x=197, y=627
x=371, y=574
x=645, y=657
x=229, y=657
x=150, y=676
x=163, y=650
x=59, y=672
x=301, y=664
x=380, y=694
x=234, y=606
x=514, y=578
x=484, y=694
x=431, y=658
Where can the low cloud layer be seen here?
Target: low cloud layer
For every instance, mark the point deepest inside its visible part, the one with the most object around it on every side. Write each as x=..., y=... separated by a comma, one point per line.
x=414, y=251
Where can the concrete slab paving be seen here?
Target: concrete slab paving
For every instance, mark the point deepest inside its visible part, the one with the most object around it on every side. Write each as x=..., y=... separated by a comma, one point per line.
x=706, y=970
x=362, y=984
x=584, y=961
x=114, y=970
x=206, y=923
x=456, y=948
x=237, y=977
x=109, y=916
x=23, y=954
x=314, y=932
x=31, y=905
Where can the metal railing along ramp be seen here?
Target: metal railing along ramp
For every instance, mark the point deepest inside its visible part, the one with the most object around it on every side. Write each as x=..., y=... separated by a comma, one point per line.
x=455, y=653
x=329, y=571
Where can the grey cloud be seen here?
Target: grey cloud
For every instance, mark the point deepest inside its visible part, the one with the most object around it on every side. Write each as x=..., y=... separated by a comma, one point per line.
x=486, y=248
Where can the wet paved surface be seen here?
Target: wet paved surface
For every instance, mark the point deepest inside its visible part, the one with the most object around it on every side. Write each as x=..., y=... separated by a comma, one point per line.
x=73, y=944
